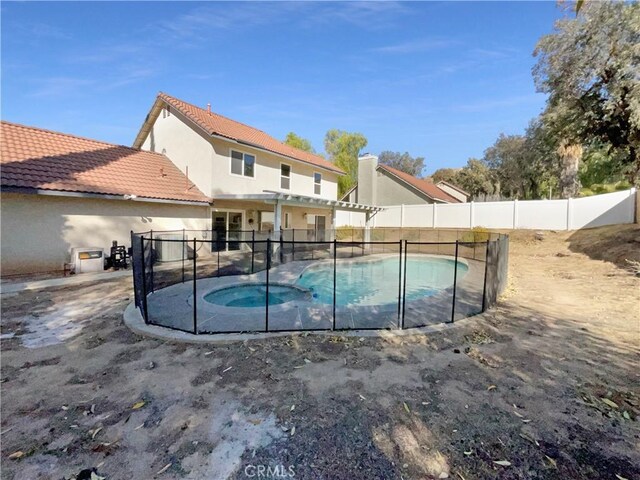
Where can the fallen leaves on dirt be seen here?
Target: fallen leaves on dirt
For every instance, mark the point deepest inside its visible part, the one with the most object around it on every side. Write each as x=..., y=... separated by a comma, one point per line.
x=16, y=455
x=612, y=404
x=475, y=354
x=479, y=337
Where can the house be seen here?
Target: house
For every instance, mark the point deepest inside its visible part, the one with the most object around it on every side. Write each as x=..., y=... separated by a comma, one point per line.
x=189, y=168
x=60, y=191
x=454, y=191
x=255, y=181
x=380, y=184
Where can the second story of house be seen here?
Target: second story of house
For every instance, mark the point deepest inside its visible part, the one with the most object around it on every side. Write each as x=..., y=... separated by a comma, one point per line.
x=222, y=156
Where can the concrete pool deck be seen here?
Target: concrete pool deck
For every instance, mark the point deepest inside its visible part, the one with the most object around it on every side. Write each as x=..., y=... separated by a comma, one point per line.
x=173, y=306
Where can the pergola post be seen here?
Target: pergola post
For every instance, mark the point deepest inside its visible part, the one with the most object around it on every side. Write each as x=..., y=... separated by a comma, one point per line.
x=367, y=226
x=333, y=224
x=277, y=226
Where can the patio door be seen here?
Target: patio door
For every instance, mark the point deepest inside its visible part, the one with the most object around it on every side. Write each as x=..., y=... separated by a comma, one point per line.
x=227, y=227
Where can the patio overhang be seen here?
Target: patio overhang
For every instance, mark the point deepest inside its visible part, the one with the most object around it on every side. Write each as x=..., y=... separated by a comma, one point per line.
x=270, y=197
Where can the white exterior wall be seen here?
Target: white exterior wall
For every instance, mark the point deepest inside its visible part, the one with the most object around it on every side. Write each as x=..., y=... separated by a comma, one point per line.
x=209, y=161
x=185, y=147
x=452, y=191
x=38, y=231
x=267, y=174
x=608, y=209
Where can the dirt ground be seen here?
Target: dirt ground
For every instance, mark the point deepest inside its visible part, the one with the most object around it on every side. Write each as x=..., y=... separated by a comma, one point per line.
x=545, y=385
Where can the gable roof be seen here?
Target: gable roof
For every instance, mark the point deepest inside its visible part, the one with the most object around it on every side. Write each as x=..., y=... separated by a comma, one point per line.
x=455, y=187
x=428, y=188
x=34, y=159
x=216, y=124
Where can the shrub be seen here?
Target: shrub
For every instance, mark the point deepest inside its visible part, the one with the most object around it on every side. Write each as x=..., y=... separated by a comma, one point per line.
x=476, y=234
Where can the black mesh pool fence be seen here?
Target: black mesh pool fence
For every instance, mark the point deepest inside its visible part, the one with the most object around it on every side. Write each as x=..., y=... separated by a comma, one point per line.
x=204, y=281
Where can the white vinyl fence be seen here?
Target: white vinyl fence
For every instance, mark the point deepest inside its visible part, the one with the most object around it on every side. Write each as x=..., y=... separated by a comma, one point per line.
x=572, y=214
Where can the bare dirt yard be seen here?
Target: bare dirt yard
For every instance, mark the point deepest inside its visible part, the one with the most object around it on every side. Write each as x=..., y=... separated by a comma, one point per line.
x=545, y=385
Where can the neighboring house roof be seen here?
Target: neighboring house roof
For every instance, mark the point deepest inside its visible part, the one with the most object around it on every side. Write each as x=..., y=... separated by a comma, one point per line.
x=348, y=192
x=428, y=188
x=455, y=187
x=33, y=159
x=215, y=124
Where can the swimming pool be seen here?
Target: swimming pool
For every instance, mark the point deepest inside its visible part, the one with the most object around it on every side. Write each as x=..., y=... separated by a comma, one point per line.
x=375, y=282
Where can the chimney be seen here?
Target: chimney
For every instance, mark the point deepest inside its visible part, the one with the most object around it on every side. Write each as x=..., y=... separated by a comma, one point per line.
x=367, y=179
x=209, y=108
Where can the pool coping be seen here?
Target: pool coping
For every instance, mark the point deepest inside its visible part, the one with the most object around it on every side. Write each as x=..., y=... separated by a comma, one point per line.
x=133, y=319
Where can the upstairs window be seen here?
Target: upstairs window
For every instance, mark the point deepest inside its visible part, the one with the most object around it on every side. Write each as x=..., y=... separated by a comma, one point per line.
x=285, y=176
x=317, y=183
x=242, y=164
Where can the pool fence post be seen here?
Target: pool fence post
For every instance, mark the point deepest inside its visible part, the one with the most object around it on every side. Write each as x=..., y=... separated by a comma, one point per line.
x=404, y=288
x=484, y=288
x=293, y=244
x=151, y=264
x=333, y=324
x=135, y=290
x=218, y=248
x=455, y=277
x=266, y=315
x=399, y=279
x=195, y=300
x=184, y=247
x=144, y=283
x=253, y=248
x=281, y=252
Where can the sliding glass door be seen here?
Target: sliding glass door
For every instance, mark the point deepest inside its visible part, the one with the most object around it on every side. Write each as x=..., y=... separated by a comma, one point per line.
x=227, y=227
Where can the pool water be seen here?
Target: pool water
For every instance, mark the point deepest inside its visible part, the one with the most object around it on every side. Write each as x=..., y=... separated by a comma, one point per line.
x=254, y=295
x=376, y=282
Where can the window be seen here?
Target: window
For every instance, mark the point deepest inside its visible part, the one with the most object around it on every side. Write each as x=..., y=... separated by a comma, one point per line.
x=285, y=176
x=242, y=164
x=317, y=183
x=287, y=220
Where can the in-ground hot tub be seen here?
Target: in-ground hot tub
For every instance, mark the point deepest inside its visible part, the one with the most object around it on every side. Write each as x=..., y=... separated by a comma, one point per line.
x=254, y=295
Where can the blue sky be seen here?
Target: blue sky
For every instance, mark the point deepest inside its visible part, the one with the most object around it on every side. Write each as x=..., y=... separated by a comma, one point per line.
x=439, y=80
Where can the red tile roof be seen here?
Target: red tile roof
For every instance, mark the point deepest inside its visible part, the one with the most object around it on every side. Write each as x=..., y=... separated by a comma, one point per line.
x=33, y=158
x=216, y=124
x=428, y=188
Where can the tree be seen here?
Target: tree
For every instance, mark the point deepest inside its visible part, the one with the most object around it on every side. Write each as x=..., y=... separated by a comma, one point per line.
x=343, y=149
x=445, y=175
x=299, y=142
x=403, y=162
x=570, y=153
x=590, y=67
x=507, y=158
x=477, y=179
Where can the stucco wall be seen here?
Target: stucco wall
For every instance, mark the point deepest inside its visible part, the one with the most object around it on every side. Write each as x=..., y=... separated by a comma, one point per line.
x=453, y=192
x=185, y=147
x=267, y=174
x=391, y=192
x=209, y=161
x=38, y=231
x=367, y=183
